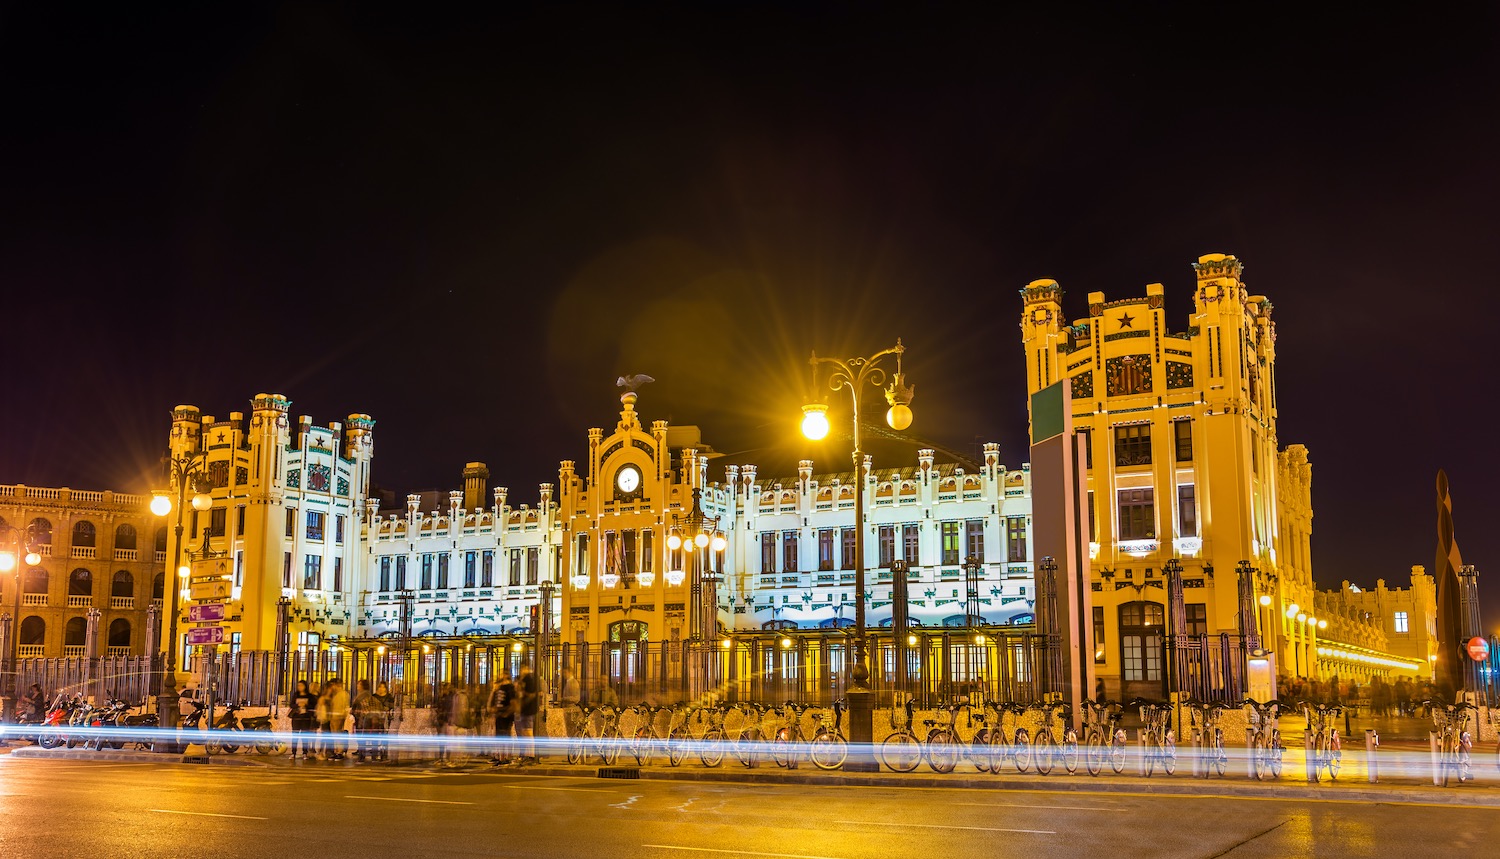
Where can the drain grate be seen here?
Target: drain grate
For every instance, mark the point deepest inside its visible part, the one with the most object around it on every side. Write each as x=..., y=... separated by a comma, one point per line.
x=619, y=772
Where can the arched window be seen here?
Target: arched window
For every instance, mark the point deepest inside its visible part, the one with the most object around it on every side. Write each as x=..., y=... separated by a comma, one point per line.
x=80, y=583
x=33, y=630
x=41, y=532
x=36, y=581
x=75, y=632
x=1141, y=641
x=119, y=632
x=125, y=537
x=83, y=534
x=161, y=539
x=158, y=582
x=123, y=585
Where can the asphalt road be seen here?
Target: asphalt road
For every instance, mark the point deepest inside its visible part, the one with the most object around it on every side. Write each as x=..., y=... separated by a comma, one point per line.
x=80, y=808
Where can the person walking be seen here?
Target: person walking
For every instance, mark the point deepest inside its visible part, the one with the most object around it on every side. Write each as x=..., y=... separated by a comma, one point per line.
x=460, y=721
x=338, y=715
x=527, y=689
x=386, y=705
x=304, y=705
x=568, y=698
x=367, y=720
x=505, y=705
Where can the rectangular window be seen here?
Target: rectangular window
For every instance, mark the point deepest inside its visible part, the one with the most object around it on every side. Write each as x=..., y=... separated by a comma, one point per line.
x=426, y=572
x=401, y=573
x=385, y=573
x=1133, y=445
x=789, y=556
x=291, y=522
x=847, y=537
x=533, y=558
x=950, y=544
x=1401, y=622
x=286, y=569
x=1098, y=635
x=442, y=576
x=338, y=529
x=1086, y=437
x=216, y=520
x=627, y=554
x=1015, y=539
x=887, y=545
x=1141, y=657
x=314, y=525
x=239, y=521
x=515, y=563
x=911, y=545
x=648, y=555
x=1254, y=453
x=338, y=574
x=1187, y=511
x=1197, y=618
x=974, y=539
x=1182, y=435
x=581, y=563
x=487, y=569
x=471, y=569
x=768, y=552
x=825, y=549
x=239, y=567
x=1093, y=521
x=312, y=573
x=1137, y=514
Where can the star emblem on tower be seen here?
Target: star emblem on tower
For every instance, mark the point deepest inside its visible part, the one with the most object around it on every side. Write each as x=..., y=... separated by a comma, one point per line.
x=1126, y=320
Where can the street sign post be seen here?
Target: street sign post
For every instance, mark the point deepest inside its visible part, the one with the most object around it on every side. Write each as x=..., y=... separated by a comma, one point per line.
x=206, y=613
x=206, y=635
x=211, y=589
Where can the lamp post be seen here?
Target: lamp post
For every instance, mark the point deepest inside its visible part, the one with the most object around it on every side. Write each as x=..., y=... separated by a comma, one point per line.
x=25, y=551
x=183, y=469
x=854, y=374
x=696, y=534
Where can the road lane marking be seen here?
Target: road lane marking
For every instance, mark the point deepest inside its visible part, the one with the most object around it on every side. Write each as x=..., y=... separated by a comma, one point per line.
x=575, y=789
x=735, y=852
x=999, y=806
x=404, y=799
x=205, y=814
x=967, y=828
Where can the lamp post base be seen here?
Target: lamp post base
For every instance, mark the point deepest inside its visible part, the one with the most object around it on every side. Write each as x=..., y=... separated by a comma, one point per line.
x=169, y=714
x=861, y=732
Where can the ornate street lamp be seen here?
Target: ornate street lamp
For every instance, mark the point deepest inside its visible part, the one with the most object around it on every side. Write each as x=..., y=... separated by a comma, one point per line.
x=854, y=374
x=693, y=537
x=184, y=470
x=24, y=557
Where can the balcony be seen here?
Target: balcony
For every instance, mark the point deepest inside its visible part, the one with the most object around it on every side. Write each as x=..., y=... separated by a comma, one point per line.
x=80, y=600
x=156, y=603
x=45, y=550
x=122, y=602
x=30, y=651
x=73, y=650
x=33, y=599
x=117, y=651
x=86, y=553
x=161, y=557
x=125, y=554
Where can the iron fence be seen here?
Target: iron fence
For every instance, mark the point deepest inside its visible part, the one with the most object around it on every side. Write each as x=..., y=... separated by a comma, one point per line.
x=130, y=678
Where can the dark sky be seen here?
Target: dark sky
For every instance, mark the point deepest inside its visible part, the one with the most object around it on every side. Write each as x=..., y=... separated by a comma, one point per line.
x=468, y=227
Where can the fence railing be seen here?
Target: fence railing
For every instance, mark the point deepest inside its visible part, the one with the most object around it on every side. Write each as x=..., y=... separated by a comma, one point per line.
x=131, y=678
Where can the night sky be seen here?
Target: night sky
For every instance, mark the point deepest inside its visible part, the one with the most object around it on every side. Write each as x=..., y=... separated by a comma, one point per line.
x=468, y=228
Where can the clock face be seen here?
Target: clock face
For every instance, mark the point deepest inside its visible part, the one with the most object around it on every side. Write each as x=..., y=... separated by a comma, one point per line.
x=629, y=479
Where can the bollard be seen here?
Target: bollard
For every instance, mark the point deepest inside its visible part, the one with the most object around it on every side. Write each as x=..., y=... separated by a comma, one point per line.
x=1432, y=743
x=1140, y=751
x=1196, y=750
x=1250, y=760
x=1310, y=757
x=1372, y=766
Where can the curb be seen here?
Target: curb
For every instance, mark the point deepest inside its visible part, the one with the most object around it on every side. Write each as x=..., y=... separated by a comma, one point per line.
x=134, y=757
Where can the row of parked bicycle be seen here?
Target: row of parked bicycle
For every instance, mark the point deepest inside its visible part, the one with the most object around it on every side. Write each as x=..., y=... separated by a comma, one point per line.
x=1038, y=737
x=74, y=722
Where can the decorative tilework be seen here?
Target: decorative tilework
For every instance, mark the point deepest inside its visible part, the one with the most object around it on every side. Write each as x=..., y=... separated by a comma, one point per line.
x=1128, y=374
x=342, y=486
x=294, y=478
x=1083, y=385
x=1179, y=375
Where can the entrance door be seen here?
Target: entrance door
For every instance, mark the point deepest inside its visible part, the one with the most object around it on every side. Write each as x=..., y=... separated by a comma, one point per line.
x=1142, y=651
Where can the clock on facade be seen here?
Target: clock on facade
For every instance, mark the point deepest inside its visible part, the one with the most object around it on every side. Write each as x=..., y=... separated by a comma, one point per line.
x=628, y=480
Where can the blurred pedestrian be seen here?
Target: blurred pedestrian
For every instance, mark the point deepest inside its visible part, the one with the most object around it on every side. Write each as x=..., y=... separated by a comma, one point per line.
x=368, y=719
x=527, y=689
x=504, y=705
x=304, y=705
x=387, y=706
x=338, y=715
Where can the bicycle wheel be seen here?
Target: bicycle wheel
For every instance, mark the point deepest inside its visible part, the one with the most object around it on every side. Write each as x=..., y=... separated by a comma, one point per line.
x=781, y=749
x=1021, y=751
x=1152, y=750
x=746, y=748
x=609, y=746
x=1221, y=757
x=1334, y=762
x=901, y=752
x=641, y=746
x=1169, y=757
x=1274, y=752
x=1117, y=757
x=1043, y=751
x=711, y=748
x=1093, y=755
x=1259, y=761
x=1465, y=771
x=999, y=749
x=942, y=751
x=1068, y=750
x=828, y=751
x=979, y=750
x=676, y=744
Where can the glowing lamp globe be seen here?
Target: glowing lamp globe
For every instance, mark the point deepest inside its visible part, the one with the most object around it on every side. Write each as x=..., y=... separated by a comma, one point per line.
x=1302, y=618
x=1322, y=624
x=161, y=505
x=32, y=559
x=815, y=421
x=1265, y=599
x=720, y=542
x=202, y=502
x=674, y=542
x=726, y=644
x=700, y=540
x=898, y=416
x=7, y=562
x=184, y=571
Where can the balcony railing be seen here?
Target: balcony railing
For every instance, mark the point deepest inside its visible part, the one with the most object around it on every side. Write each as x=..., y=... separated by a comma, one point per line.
x=80, y=600
x=87, y=553
x=125, y=554
x=156, y=603
x=161, y=557
x=34, y=599
x=122, y=602
x=118, y=651
x=31, y=651
x=45, y=550
x=73, y=650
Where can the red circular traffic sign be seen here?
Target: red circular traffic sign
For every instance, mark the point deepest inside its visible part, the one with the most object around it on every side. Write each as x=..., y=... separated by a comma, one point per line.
x=1479, y=649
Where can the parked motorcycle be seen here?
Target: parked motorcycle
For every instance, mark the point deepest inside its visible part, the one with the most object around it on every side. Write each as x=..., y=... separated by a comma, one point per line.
x=54, y=728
